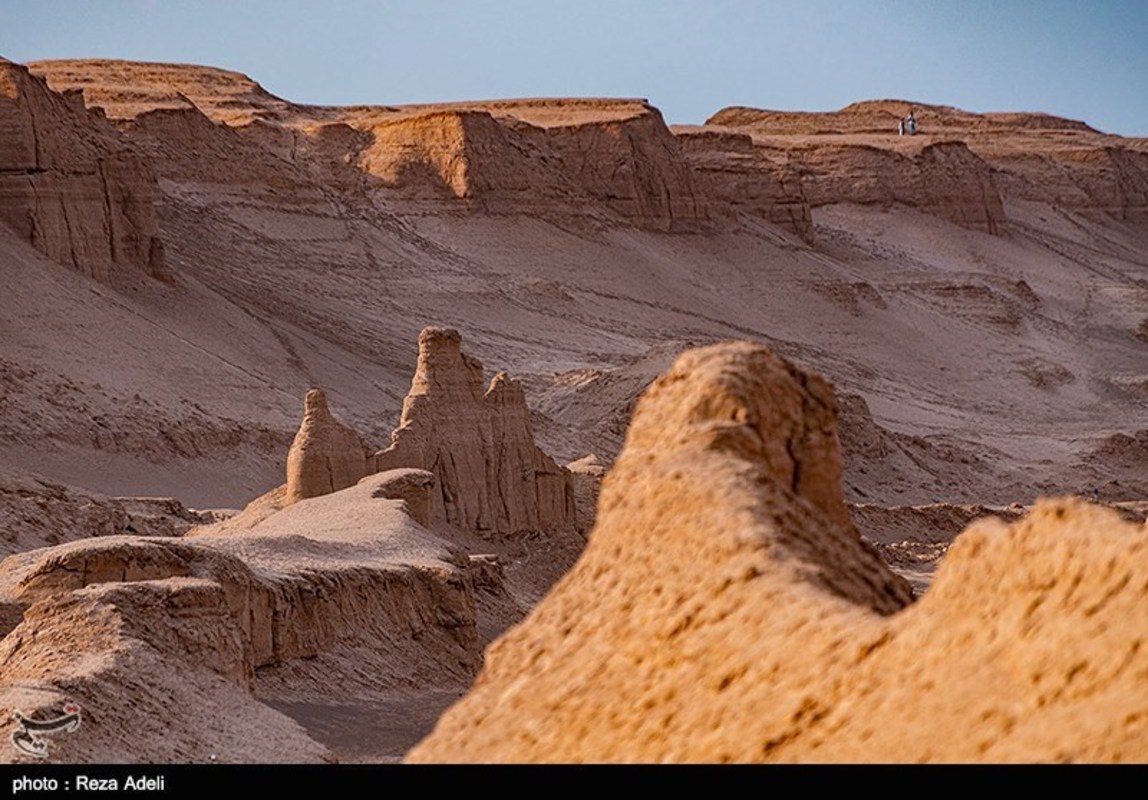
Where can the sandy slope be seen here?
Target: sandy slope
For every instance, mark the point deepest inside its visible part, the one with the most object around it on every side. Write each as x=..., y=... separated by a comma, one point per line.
x=1018, y=347
x=977, y=295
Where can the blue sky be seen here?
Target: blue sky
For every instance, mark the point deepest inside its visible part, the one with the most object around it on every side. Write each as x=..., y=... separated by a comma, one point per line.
x=1083, y=59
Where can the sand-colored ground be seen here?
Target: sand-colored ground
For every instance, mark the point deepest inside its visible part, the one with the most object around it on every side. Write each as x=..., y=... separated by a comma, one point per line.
x=183, y=256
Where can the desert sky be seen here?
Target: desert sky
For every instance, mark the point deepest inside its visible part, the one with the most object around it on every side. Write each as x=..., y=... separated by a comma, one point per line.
x=1084, y=61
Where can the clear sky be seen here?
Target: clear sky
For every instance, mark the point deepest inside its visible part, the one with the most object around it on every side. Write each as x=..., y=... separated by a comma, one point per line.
x=1083, y=59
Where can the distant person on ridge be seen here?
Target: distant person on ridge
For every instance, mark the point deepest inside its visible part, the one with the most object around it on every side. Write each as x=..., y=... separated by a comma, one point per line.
x=900, y=127
x=912, y=124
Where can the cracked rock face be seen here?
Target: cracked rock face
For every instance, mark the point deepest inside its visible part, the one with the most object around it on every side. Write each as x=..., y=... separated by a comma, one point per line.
x=127, y=626
x=726, y=609
x=70, y=185
x=491, y=477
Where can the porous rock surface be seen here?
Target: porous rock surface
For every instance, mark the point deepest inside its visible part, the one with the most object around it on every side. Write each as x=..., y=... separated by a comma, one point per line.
x=725, y=609
x=71, y=185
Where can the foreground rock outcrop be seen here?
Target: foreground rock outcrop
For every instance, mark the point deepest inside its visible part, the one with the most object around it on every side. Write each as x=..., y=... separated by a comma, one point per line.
x=492, y=479
x=721, y=522
x=725, y=609
x=71, y=185
x=854, y=156
x=347, y=583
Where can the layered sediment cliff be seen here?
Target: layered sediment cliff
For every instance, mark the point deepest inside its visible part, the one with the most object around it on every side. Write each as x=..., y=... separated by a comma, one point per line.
x=71, y=185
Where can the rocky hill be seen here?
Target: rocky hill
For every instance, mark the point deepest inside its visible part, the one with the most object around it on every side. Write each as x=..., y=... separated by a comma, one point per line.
x=987, y=256
x=725, y=610
x=69, y=183
x=184, y=257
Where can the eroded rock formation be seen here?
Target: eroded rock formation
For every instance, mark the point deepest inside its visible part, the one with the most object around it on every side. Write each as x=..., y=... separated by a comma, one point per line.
x=586, y=475
x=545, y=157
x=492, y=479
x=722, y=520
x=616, y=159
x=122, y=620
x=634, y=165
x=855, y=157
x=609, y=159
x=960, y=165
x=69, y=183
x=749, y=179
x=944, y=179
x=726, y=610
x=463, y=454
x=326, y=455
x=36, y=512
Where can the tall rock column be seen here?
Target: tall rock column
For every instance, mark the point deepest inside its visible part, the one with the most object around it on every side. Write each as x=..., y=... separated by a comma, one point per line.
x=491, y=477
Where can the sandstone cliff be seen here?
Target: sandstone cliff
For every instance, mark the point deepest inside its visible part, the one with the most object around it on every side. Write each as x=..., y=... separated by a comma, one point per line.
x=635, y=167
x=585, y=157
x=858, y=158
x=960, y=166
x=602, y=159
x=749, y=179
x=441, y=159
x=944, y=179
x=70, y=184
x=125, y=88
x=725, y=610
x=615, y=159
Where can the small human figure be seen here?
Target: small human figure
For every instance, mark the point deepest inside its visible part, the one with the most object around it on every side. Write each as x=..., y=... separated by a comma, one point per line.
x=1095, y=494
x=912, y=124
x=900, y=127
